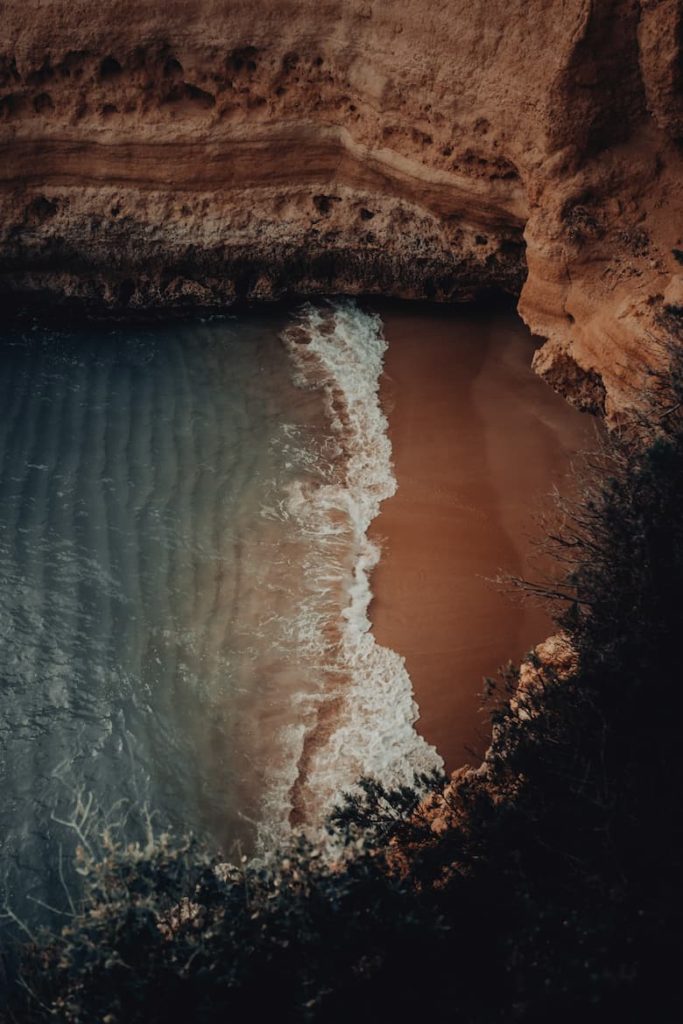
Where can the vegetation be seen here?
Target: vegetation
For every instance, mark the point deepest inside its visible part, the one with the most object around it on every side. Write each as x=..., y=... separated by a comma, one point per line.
x=545, y=887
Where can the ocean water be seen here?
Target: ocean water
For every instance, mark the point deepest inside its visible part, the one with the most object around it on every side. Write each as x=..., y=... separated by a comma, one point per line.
x=184, y=582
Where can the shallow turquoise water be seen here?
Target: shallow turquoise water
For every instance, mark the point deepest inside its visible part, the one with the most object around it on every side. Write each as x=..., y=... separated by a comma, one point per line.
x=143, y=640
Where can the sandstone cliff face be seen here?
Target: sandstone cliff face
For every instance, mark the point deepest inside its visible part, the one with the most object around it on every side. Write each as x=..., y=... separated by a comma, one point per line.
x=176, y=152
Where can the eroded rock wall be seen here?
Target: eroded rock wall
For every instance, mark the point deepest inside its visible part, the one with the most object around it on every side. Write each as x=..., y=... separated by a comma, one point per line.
x=166, y=153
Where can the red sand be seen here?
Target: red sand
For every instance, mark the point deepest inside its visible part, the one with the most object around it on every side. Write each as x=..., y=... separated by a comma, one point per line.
x=478, y=442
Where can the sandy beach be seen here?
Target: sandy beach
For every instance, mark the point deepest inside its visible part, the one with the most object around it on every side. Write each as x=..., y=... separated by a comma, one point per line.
x=478, y=443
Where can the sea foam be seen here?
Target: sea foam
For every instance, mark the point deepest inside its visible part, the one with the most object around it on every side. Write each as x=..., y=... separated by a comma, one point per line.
x=360, y=721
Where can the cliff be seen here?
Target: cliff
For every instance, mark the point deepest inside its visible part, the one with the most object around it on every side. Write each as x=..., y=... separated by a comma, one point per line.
x=165, y=154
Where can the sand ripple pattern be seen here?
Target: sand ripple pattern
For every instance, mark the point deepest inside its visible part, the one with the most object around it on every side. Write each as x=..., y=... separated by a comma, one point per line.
x=146, y=589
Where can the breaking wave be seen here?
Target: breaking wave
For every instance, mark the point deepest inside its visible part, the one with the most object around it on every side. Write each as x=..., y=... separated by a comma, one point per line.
x=360, y=719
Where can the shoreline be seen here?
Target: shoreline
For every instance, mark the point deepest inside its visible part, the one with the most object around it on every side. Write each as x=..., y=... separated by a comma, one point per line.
x=361, y=719
x=478, y=441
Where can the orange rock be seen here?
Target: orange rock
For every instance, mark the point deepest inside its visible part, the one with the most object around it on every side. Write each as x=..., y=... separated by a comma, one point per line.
x=173, y=153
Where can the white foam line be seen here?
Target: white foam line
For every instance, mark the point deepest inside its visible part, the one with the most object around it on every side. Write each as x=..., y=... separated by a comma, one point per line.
x=340, y=349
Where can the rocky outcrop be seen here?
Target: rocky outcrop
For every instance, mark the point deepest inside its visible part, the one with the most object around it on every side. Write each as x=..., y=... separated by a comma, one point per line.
x=551, y=663
x=175, y=153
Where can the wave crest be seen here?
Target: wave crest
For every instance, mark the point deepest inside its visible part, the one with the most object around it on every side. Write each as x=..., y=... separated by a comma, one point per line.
x=361, y=719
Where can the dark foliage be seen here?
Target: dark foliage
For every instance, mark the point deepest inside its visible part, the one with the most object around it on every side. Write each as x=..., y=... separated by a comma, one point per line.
x=552, y=893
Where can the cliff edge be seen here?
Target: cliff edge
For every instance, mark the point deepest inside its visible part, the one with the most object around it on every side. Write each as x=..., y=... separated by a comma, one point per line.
x=171, y=154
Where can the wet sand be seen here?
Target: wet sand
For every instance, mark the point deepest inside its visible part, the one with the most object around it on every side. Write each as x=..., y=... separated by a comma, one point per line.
x=478, y=443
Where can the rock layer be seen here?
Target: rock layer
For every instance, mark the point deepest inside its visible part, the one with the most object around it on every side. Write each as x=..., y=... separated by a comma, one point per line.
x=165, y=154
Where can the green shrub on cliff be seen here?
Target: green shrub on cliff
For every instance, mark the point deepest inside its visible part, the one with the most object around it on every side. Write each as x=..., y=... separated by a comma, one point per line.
x=545, y=887
x=169, y=934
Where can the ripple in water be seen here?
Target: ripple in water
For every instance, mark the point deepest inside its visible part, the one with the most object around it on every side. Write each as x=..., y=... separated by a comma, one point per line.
x=185, y=580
